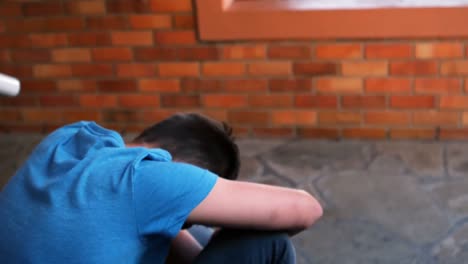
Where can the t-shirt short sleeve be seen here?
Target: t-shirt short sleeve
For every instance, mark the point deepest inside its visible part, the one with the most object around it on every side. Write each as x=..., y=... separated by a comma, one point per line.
x=165, y=193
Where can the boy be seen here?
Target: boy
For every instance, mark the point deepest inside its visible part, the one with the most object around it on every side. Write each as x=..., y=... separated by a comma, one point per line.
x=84, y=196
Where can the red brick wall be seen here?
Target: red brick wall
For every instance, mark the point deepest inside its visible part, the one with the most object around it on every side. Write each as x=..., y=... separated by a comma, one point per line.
x=128, y=63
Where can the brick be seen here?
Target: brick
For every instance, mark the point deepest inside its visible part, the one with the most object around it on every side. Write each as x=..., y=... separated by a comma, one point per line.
x=157, y=53
x=19, y=71
x=179, y=69
x=338, y=51
x=27, y=128
x=5, y=56
x=184, y=21
x=243, y=51
x=198, y=53
x=289, y=52
x=271, y=132
x=10, y=9
x=290, y=85
x=106, y=23
x=454, y=133
x=133, y=38
x=388, y=51
x=197, y=85
x=435, y=118
x=412, y=102
x=339, y=117
x=76, y=86
x=41, y=115
x=453, y=102
x=157, y=115
x=249, y=117
x=64, y=24
x=387, y=118
x=51, y=70
x=171, y=6
x=270, y=101
x=71, y=116
x=269, y=68
x=120, y=116
x=159, y=85
x=58, y=100
x=245, y=85
x=295, y=117
x=48, y=40
x=125, y=6
x=138, y=101
x=89, y=39
x=112, y=54
x=366, y=68
x=437, y=86
x=439, y=50
x=219, y=115
x=465, y=119
x=136, y=70
x=117, y=85
x=92, y=70
x=315, y=68
x=10, y=115
x=71, y=55
x=220, y=69
x=365, y=133
x=150, y=21
x=37, y=86
x=318, y=133
x=315, y=101
x=19, y=101
x=181, y=101
x=88, y=7
x=26, y=25
x=454, y=68
x=182, y=37
x=388, y=85
x=98, y=100
x=42, y=9
x=20, y=41
x=408, y=133
x=414, y=68
x=339, y=85
x=225, y=101
x=366, y=101
x=30, y=55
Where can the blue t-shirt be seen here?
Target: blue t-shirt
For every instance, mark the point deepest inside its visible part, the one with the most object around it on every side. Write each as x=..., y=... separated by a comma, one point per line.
x=83, y=197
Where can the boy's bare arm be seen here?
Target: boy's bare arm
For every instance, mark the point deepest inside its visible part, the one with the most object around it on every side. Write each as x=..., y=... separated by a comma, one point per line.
x=238, y=204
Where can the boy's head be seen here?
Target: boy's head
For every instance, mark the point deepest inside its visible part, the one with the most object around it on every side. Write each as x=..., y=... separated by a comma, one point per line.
x=197, y=140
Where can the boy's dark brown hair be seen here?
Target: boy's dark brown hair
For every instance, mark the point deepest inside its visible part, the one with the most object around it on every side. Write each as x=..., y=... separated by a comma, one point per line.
x=198, y=140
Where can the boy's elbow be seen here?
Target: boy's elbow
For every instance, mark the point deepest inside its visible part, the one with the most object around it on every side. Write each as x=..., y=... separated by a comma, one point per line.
x=311, y=210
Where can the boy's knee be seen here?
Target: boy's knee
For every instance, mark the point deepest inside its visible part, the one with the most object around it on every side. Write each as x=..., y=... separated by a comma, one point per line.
x=283, y=248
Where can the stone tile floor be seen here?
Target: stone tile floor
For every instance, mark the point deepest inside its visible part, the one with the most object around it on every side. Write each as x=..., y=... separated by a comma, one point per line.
x=385, y=202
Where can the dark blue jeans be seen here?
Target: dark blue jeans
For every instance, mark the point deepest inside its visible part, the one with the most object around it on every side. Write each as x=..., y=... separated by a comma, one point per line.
x=242, y=246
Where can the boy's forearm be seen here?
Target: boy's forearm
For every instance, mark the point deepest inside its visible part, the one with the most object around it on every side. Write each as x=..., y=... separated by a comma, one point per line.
x=184, y=248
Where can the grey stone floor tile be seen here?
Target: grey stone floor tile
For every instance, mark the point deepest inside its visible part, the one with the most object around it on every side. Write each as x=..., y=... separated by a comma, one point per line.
x=457, y=160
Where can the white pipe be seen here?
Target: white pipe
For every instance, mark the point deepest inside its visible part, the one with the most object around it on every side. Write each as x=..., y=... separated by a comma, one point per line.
x=9, y=86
